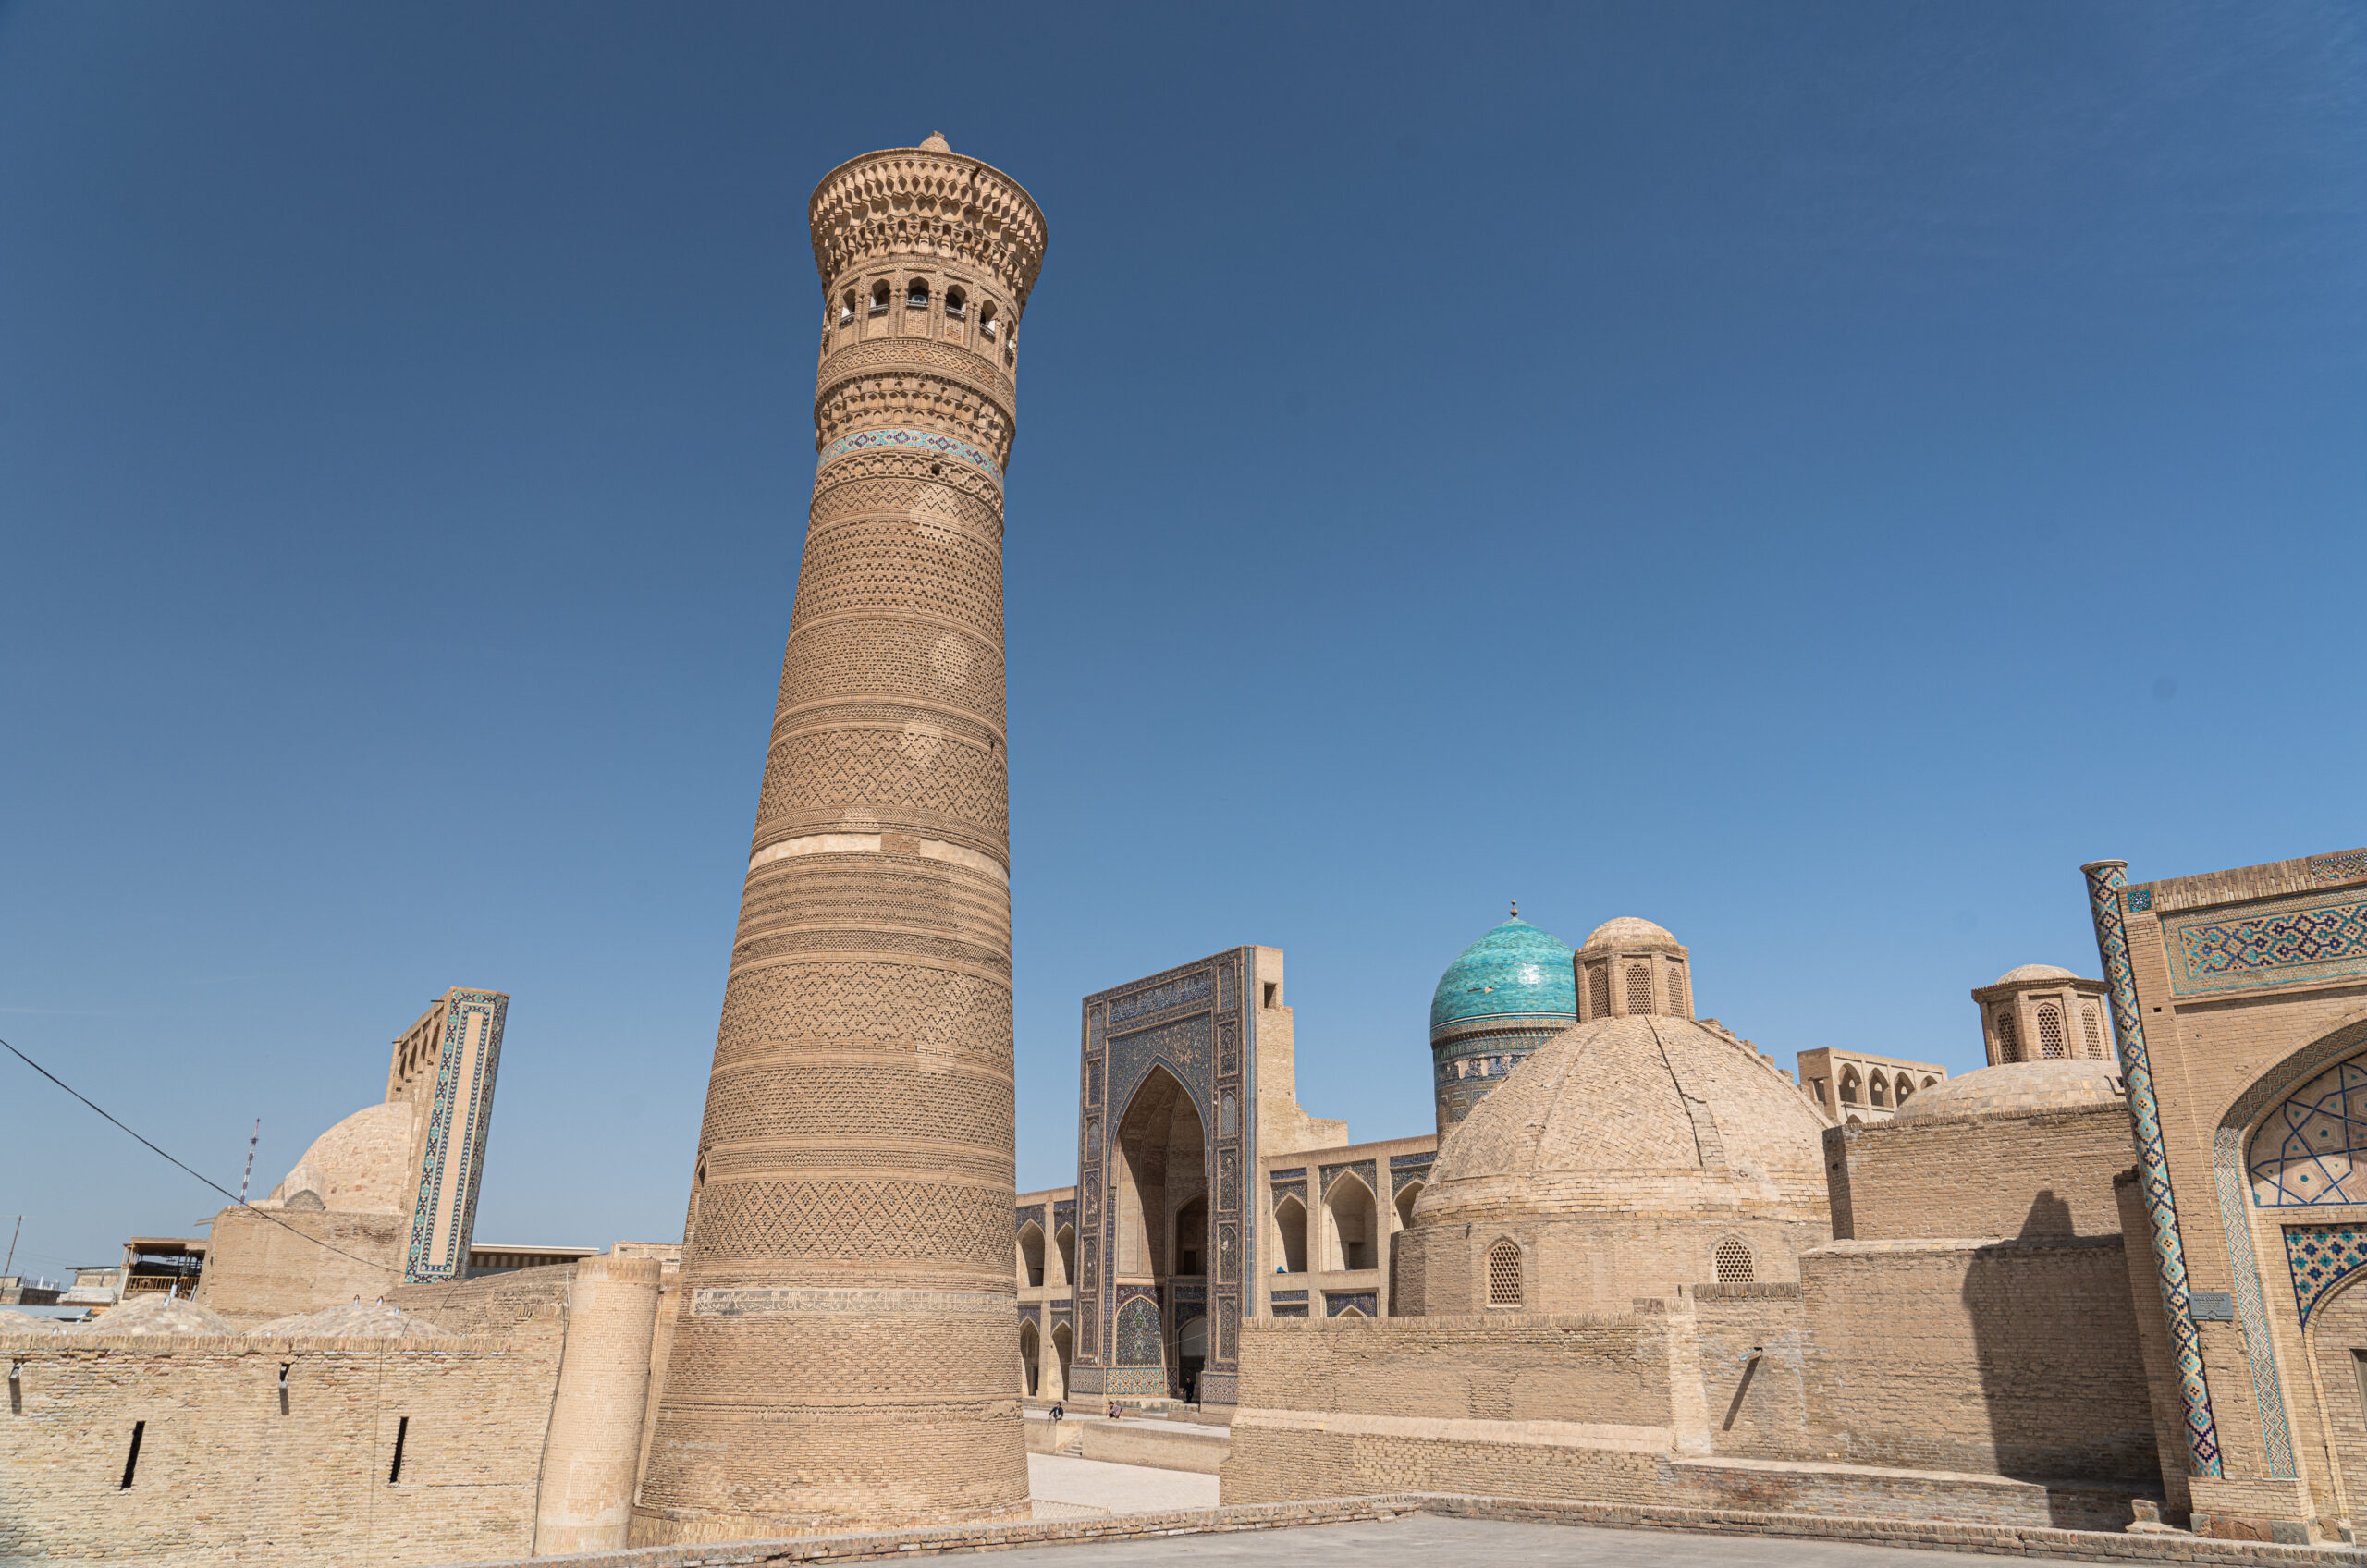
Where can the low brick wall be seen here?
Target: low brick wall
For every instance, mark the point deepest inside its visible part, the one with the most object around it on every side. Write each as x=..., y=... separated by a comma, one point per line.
x=2035, y=1541
x=1198, y=1450
x=229, y=1469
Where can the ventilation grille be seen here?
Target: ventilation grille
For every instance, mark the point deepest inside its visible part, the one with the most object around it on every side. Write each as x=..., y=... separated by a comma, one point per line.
x=2049, y=1033
x=1733, y=1264
x=2095, y=1032
x=2009, y=1042
x=1640, y=987
x=1597, y=990
x=1503, y=1275
x=1677, y=1005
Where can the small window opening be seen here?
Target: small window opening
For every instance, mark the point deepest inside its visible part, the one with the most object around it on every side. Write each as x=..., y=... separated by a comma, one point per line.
x=1504, y=1274
x=132, y=1460
x=1877, y=1089
x=846, y=308
x=1272, y=990
x=956, y=303
x=1640, y=987
x=2049, y=1033
x=879, y=297
x=395, y=1470
x=916, y=294
x=1599, y=990
x=2009, y=1042
x=2093, y=1029
x=1849, y=1086
x=987, y=323
x=1733, y=1264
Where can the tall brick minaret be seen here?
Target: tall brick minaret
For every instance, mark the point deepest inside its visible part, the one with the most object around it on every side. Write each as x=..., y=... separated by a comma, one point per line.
x=843, y=1355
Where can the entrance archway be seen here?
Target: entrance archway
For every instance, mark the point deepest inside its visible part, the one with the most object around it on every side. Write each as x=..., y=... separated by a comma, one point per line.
x=1160, y=1192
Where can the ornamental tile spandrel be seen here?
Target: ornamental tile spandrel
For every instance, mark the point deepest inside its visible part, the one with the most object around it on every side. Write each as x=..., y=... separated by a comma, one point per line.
x=856, y=1152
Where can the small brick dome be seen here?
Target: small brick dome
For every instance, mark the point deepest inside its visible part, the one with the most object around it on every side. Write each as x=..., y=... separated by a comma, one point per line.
x=1628, y=931
x=2017, y=1089
x=2034, y=972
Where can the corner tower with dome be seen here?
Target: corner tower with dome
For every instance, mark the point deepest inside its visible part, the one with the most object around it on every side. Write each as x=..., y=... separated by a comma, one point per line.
x=1502, y=997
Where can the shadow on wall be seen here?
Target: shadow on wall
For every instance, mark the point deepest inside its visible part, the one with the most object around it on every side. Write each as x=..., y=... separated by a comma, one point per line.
x=2055, y=1342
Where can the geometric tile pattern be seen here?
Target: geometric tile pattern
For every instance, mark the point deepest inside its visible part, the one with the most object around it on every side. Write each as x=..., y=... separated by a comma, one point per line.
x=443, y=1217
x=2106, y=879
x=2289, y=941
x=2338, y=868
x=2323, y=1256
x=2312, y=1149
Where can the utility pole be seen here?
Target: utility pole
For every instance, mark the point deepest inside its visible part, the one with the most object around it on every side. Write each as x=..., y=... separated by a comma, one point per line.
x=250, y=1162
x=12, y=1242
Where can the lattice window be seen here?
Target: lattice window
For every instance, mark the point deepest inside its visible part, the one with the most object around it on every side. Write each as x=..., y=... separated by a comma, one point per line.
x=1640, y=987
x=2093, y=1028
x=1677, y=992
x=1504, y=1274
x=2050, y=1031
x=2009, y=1042
x=1735, y=1265
x=1597, y=990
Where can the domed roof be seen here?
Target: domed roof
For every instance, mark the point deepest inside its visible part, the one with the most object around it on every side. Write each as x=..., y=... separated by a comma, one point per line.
x=1630, y=932
x=1515, y=969
x=2035, y=972
x=1643, y=1115
x=2016, y=1088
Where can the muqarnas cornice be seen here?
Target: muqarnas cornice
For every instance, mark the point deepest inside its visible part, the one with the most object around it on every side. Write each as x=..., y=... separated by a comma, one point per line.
x=911, y=202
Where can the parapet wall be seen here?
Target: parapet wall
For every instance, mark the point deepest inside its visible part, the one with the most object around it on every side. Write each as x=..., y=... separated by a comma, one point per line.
x=231, y=1467
x=2015, y=1358
x=1972, y=1176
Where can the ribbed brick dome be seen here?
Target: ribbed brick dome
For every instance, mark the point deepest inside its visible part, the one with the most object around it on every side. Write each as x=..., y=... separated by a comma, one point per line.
x=1643, y=1115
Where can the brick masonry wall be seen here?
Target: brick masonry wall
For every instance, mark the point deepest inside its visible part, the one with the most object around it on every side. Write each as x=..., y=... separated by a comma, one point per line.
x=1505, y=1368
x=2014, y=1357
x=256, y=1269
x=2042, y=1175
x=1753, y=1345
x=491, y=1304
x=226, y=1473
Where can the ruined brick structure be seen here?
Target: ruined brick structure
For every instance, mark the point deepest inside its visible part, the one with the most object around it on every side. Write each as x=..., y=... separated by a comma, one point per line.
x=841, y=1347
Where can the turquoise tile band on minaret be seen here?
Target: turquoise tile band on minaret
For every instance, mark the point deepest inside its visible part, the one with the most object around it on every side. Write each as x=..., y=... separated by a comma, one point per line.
x=927, y=441
x=2106, y=878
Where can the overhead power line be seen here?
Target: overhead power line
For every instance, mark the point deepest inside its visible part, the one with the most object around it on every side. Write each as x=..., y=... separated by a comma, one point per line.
x=236, y=1200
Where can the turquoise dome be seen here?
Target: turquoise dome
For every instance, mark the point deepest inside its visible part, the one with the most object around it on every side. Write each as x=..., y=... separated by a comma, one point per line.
x=1514, y=971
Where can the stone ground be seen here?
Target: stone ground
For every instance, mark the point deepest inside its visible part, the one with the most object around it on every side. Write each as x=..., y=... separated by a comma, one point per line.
x=1467, y=1543
x=1068, y=1487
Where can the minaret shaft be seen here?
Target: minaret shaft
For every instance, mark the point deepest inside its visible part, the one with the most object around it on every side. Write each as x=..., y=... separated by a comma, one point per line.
x=844, y=1353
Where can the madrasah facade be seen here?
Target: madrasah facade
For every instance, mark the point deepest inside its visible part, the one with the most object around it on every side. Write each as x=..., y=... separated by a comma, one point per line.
x=2104, y=1280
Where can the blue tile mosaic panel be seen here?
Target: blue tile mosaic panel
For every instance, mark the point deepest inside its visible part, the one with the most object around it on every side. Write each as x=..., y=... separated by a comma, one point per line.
x=2285, y=942
x=2323, y=1256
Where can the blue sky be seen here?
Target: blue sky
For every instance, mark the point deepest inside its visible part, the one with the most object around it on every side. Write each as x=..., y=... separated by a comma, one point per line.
x=1810, y=476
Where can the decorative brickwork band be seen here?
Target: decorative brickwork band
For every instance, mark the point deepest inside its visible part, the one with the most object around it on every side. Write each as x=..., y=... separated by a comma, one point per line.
x=922, y=441
x=2106, y=878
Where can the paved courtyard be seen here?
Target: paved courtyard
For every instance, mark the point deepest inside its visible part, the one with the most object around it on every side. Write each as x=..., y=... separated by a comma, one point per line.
x=1067, y=1488
x=1476, y=1543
